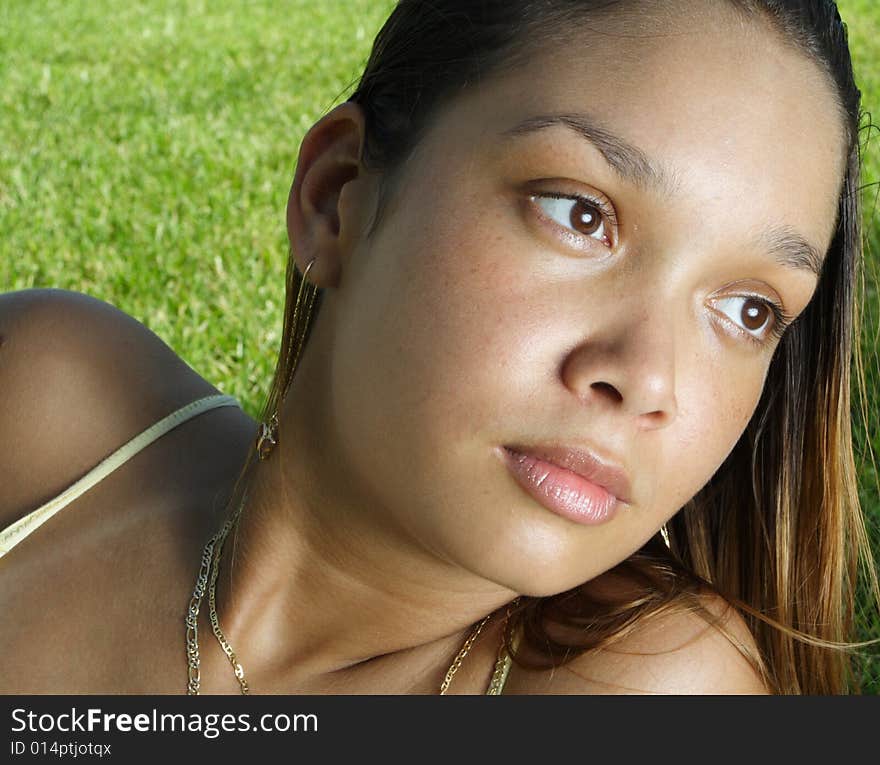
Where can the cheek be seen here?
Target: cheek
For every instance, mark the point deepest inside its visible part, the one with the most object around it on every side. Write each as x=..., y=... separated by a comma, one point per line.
x=738, y=395
x=482, y=334
x=426, y=329
x=711, y=422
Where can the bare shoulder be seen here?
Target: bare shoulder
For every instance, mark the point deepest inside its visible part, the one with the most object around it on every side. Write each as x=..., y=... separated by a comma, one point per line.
x=79, y=378
x=678, y=652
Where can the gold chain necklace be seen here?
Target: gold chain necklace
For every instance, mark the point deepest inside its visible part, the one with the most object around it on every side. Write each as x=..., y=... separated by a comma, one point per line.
x=207, y=579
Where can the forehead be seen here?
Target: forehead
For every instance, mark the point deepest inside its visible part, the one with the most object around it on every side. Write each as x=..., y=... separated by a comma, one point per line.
x=724, y=108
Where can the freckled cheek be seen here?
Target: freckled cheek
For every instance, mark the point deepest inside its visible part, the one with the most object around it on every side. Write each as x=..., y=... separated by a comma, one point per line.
x=710, y=426
x=473, y=278
x=475, y=321
x=741, y=395
x=456, y=308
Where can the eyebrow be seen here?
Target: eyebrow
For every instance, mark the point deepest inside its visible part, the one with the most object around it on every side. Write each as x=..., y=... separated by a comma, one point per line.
x=790, y=249
x=634, y=166
x=629, y=162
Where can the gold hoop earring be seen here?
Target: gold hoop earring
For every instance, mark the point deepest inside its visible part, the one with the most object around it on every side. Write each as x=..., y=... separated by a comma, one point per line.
x=267, y=437
x=665, y=534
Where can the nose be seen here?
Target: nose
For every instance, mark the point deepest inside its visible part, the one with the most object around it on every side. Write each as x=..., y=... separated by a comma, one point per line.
x=629, y=366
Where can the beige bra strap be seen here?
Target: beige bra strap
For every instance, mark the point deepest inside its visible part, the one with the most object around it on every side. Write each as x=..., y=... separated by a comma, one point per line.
x=17, y=531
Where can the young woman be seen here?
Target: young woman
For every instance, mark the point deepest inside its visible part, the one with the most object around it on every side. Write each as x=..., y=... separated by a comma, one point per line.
x=570, y=413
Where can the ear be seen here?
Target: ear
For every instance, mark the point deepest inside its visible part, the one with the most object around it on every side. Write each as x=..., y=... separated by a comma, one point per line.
x=319, y=227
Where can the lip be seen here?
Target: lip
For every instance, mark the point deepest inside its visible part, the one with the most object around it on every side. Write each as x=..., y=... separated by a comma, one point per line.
x=572, y=482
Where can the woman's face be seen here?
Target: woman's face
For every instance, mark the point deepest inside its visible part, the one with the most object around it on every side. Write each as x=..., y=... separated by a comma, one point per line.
x=580, y=252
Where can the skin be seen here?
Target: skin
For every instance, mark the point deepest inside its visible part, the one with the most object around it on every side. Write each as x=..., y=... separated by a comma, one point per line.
x=466, y=323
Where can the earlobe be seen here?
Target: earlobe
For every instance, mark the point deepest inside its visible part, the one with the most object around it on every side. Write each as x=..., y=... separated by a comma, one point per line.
x=329, y=159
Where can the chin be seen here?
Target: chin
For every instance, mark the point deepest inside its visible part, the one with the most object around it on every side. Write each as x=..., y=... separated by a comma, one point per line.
x=539, y=580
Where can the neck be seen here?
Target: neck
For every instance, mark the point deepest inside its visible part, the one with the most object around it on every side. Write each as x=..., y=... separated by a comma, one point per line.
x=314, y=585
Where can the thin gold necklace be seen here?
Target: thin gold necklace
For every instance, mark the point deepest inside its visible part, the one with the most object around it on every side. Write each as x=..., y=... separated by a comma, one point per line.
x=207, y=579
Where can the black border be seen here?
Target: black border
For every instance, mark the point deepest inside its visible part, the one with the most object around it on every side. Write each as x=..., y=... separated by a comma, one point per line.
x=456, y=728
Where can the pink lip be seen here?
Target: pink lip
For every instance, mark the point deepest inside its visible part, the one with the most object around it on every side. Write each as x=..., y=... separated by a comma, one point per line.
x=570, y=482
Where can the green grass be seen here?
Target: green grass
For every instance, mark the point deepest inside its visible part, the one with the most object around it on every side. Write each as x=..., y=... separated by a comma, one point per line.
x=146, y=151
x=147, y=148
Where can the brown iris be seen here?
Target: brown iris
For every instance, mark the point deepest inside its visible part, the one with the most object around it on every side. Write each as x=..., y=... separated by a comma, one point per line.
x=755, y=314
x=585, y=217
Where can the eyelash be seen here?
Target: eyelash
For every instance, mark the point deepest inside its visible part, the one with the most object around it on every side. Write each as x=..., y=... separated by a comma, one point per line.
x=781, y=319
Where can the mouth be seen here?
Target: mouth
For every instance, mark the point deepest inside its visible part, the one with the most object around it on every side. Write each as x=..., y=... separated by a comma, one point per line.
x=574, y=483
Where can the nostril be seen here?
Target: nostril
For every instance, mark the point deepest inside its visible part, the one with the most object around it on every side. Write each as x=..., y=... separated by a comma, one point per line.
x=655, y=419
x=608, y=389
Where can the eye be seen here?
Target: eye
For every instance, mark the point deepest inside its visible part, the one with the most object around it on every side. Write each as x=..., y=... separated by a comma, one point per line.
x=760, y=319
x=582, y=215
